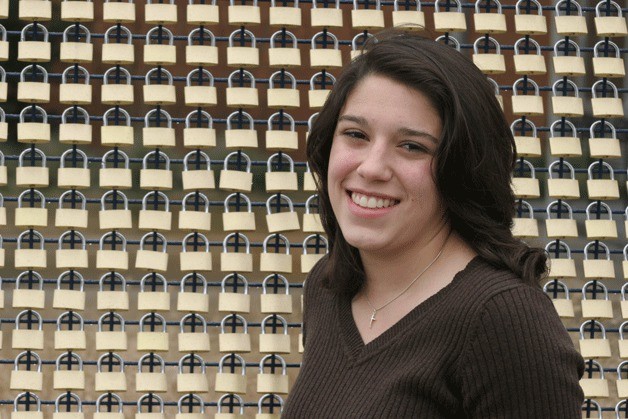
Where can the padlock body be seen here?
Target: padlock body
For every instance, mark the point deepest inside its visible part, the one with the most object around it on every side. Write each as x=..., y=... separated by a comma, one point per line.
x=276, y=262
x=234, y=302
x=238, y=221
x=193, y=342
x=151, y=382
x=195, y=220
x=236, y=262
x=114, y=260
x=282, y=221
x=70, y=340
x=199, y=137
x=112, y=300
x=234, y=342
x=151, y=260
x=75, y=94
x=274, y=343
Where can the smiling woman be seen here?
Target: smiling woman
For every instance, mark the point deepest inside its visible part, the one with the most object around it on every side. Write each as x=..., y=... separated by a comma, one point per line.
x=426, y=306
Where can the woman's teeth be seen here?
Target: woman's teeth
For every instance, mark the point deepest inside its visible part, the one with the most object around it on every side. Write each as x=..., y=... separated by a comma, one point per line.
x=371, y=201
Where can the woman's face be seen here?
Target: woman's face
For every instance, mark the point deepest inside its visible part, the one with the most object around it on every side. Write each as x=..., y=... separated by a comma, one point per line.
x=380, y=177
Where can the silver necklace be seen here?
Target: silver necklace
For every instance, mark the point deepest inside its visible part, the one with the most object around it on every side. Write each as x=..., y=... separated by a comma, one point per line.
x=375, y=310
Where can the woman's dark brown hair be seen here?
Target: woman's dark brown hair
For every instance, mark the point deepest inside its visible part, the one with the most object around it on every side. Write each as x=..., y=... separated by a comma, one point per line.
x=473, y=162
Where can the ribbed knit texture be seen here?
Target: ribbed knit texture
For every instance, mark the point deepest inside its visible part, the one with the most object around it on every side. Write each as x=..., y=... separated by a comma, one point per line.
x=485, y=346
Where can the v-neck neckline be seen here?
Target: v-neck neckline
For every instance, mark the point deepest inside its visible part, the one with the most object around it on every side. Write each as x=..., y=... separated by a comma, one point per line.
x=358, y=351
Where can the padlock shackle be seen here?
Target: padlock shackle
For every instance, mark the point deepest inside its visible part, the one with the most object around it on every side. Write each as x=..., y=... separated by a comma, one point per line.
x=562, y=204
x=621, y=334
x=606, y=124
x=194, y=356
x=196, y=235
x=314, y=4
x=282, y=73
x=210, y=121
x=606, y=44
x=571, y=3
x=205, y=31
x=244, y=74
x=114, y=235
x=127, y=32
x=82, y=111
x=447, y=40
x=528, y=207
x=29, y=354
x=160, y=70
x=241, y=155
x=530, y=167
x=162, y=29
x=160, y=155
x=458, y=6
x=280, y=277
x=602, y=204
x=527, y=40
x=355, y=39
x=574, y=132
x=3, y=117
x=566, y=164
x=295, y=4
x=596, y=323
x=416, y=3
x=232, y=3
x=41, y=246
x=196, y=153
x=69, y=395
x=262, y=400
x=603, y=163
x=234, y=195
x=527, y=122
x=196, y=195
x=599, y=244
x=3, y=33
x=40, y=28
x=41, y=111
x=153, y=355
x=606, y=82
x=80, y=69
x=193, y=315
x=274, y=317
x=281, y=197
x=245, y=324
x=124, y=71
x=538, y=6
x=118, y=316
x=109, y=395
x=569, y=82
x=30, y=395
x=117, y=153
x=557, y=284
x=280, y=157
x=477, y=5
x=161, y=237
x=273, y=357
x=279, y=237
x=188, y=82
x=152, y=194
x=103, y=199
x=125, y=114
x=490, y=39
x=161, y=112
x=70, y=233
x=88, y=35
x=40, y=322
x=193, y=275
x=241, y=236
x=598, y=11
x=154, y=276
x=42, y=198
x=232, y=355
x=244, y=115
x=71, y=151
x=284, y=33
x=70, y=315
x=327, y=76
x=196, y=397
x=560, y=244
x=326, y=34
x=239, y=277
x=314, y=237
x=149, y=396
x=245, y=33
x=164, y=328
x=308, y=202
x=570, y=42
x=232, y=396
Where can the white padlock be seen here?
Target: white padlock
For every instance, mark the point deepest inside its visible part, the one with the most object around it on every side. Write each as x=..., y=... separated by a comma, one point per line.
x=236, y=261
x=118, y=215
x=195, y=260
x=120, y=134
x=236, y=180
x=281, y=220
x=196, y=339
x=272, y=382
x=156, y=178
x=527, y=146
x=563, y=187
x=152, y=260
x=119, y=176
x=118, y=91
x=529, y=63
x=281, y=139
x=488, y=21
x=33, y=131
x=198, y=219
x=568, y=65
x=565, y=105
x=607, y=65
x=29, y=339
x=564, y=145
x=238, y=220
x=201, y=49
x=602, y=147
x=72, y=90
x=72, y=298
x=325, y=16
x=325, y=57
x=279, y=180
x=606, y=107
x=598, y=268
x=609, y=24
x=526, y=104
x=197, y=92
x=234, y=301
x=75, y=132
x=240, y=137
x=161, y=53
x=120, y=52
x=488, y=62
x=70, y=339
x=242, y=56
x=154, y=135
x=158, y=216
x=29, y=47
x=597, y=186
x=288, y=54
x=560, y=228
x=76, y=256
x=116, y=258
x=198, y=136
x=231, y=382
x=159, y=93
x=277, y=261
x=522, y=225
x=76, y=51
x=530, y=23
x=569, y=23
x=598, y=228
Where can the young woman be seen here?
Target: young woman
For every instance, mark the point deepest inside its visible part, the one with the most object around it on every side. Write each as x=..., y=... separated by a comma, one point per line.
x=426, y=305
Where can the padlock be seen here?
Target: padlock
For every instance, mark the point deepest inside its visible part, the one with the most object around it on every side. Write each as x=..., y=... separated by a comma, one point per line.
x=200, y=94
x=112, y=414
x=366, y=18
x=280, y=180
x=242, y=14
x=282, y=97
x=3, y=212
x=74, y=257
x=449, y=41
x=234, y=341
x=29, y=258
x=607, y=65
x=117, y=177
x=115, y=218
x=564, y=145
x=276, y=262
x=326, y=17
x=359, y=44
x=71, y=298
x=234, y=400
x=274, y=342
x=596, y=308
x=152, y=341
x=594, y=387
x=112, y=299
x=527, y=146
x=524, y=187
x=276, y=406
x=4, y=131
x=111, y=340
x=325, y=57
x=529, y=63
x=488, y=63
x=194, y=301
x=157, y=178
x=69, y=378
x=568, y=65
x=240, y=137
x=156, y=136
x=598, y=228
x=530, y=24
x=525, y=226
x=159, y=94
x=114, y=259
x=599, y=188
x=75, y=177
x=241, y=96
x=563, y=306
x=29, y=339
x=204, y=13
x=308, y=260
x=193, y=341
x=286, y=55
x=203, y=53
x=239, y=220
x=160, y=54
x=155, y=218
x=118, y=134
x=4, y=44
x=231, y=382
x=191, y=400
x=199, y=136
x=242, y=56
x=564, y=105
x=33, y=132
x=152, y=381
x=527, y=104
x=2, y=264
x=281, y=221
x=622, y=382
x=272, y=382
x=560, y=268
x=194, y=381
x=624, y=264
x=70, y=339
x=317, y=97
x=609, y=25
x=119, y=53
x=153, y=300
x=160, y=13
x=285, y=15
x=236, y=261
x=77, y=11
x=152, y=260
x=31, y=216
x=33, y=91
x=281, y=139
x=198, y=219
x=118, y=12
x=32, y=176
x=562, y=187
x=116, y=93
x=560, y=228
x=27, y=379
x=488, y=22
x=29, y=48
x=199, y=178
x=606, y=107
x=309, y=179
x=110, y=381
x=195, y=260
x=234, y=302
x=594, y=347
x=448, y=21
x=569, y=24
x=598, y=268
x=236, y=180
x=75, y=132
x=76, y=51
x=312, y=221
x=156, y=407
x=69, y=399
x=4, y=9
x=276, y=302
x=31, y=399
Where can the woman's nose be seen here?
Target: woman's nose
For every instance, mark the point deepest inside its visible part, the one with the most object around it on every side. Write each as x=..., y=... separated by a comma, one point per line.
x=375, y=164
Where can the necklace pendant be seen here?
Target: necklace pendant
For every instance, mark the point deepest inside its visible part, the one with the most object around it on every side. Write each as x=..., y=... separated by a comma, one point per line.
x=372, y=319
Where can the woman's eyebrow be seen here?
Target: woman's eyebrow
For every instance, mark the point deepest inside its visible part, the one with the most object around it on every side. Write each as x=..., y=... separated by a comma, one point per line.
x=403, y=131
x=352, y=118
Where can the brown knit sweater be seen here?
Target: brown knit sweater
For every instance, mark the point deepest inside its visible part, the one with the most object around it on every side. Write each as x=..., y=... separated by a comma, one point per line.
x=485, y=346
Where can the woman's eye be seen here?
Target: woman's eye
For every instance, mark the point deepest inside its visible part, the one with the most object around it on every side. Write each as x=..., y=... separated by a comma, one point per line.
x=355, y=134
x=413, y=147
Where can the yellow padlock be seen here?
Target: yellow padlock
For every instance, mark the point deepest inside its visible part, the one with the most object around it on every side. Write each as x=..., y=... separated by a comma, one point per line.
x=606, y=107
x=77, y=11
x=4, y=9
x=160, y=13
x=118, y=92
x=75, y=92
x=159, y=93
x=570, y=23
x=30, y=48
x=4, y=44
x=195, y=340
x=326, y=17
x=231, y=382
x=596, y=307
x=154, y=135
x=29, y=258
x=72, y=131
x=195, y=379
x=118, y=12
x=281, y=220
x=197, y=259
x=598, y=268
x=161, y=53
x=317, y=97
x=277, y=261
x=560, y=267
x=109, y=397
x=194, y=176
x=281, y=139
x=286, y=55
x=529, y=63
x=563, y=104
x=152, y=260
x=527, y=146
x=70, y=339
x=312, y=220
x=33, y=131
x=156, y=178
x=325, y=56
x=196, y=92
x=234, y=302
x=31, y=338
x=594, y=347
x=607, y=24
x=622, y=383
x=234, y=341
x=594, y=387
x=236, y=180
x=242, y=14
x=285, y=15
x=276, y=302
x=118, y=216
x=120, y=134
x=275, y=403
x=607, y=65
x=193, y=301
x=524, y=226
x=598, y=228
x=27, y=379
x=76, y=51
x=69, y=378
x=280, y=180
x=4, y=128
x=598, y=187
x=366, y=18
x=449, y=21
x=562, y=187
x=240, y=137
x=308, y=260
x=204, y=13
x=241, y=96
x=525, y=187
x=242, y=55
x=31, y=216
x=116, y=258
x=236, y=261
x=564, y=145
x=526, y=104
x=33, y=91
x=563, y=306
x=118, y=176
x=72, y=298
x=272, y=382
x=529, y=23
x=488, y=62
x=32, y=176
x=120, y=52
x=74, y=257
x=238, y=220
x=77, y=175
x=198, y=219
x=158, y=298
x=489, y=22
x=282, y=97
x=111, y=340
x=110, y=380
x=201, y=49
x=153, y=340
x=560, y=228
x=274, y=342
x=568, y=65
x=198, y=136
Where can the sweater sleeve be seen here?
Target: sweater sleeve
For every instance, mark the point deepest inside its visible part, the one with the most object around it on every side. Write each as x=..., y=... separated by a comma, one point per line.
x=520, y=361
